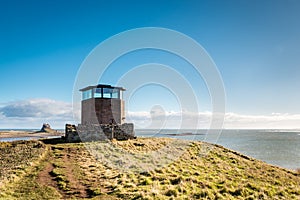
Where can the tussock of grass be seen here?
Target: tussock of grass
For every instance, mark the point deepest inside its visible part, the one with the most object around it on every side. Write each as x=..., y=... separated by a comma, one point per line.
x=143, y=144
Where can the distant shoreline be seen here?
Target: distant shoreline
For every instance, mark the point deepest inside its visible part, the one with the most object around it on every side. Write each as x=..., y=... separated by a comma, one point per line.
x=15, y=134
x=183, y=134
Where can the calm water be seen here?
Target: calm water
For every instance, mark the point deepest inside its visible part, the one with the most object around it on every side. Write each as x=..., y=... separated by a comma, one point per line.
x=277, y=147
x=11, y=139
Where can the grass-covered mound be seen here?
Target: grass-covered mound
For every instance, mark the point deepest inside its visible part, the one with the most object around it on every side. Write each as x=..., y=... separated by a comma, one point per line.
x=17, y=156
x=70, y=171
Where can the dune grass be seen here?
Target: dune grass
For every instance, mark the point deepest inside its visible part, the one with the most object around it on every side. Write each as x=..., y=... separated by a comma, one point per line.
x=69, y=171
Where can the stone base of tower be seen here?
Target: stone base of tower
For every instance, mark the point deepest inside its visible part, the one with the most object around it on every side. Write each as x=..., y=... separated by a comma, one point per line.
x=99, y=132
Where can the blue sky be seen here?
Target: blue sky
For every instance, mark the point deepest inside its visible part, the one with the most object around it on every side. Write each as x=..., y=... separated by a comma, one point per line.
x=255, y=45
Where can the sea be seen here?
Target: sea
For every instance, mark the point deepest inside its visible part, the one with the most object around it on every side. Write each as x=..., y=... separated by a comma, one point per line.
x=276, y=147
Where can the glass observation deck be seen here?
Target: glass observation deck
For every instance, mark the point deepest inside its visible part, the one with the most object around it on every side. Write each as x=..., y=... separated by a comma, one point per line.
x=102, y=91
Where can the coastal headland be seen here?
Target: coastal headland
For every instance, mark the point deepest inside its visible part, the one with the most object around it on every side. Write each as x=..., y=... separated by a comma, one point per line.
x=52, y=169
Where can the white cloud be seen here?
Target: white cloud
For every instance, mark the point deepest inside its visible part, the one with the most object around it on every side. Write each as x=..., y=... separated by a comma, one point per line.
x=231, y=120
x=32, y=113
x=272, y=121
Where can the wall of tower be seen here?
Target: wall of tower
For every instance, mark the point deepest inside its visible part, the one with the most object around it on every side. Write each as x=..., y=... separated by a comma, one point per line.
x=102, y=111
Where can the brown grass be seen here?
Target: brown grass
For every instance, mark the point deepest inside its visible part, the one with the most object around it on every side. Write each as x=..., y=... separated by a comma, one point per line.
x=219, y=174
x=16, y=156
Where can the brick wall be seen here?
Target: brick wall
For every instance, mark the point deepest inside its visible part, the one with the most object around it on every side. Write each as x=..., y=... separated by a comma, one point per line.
x=102, y=111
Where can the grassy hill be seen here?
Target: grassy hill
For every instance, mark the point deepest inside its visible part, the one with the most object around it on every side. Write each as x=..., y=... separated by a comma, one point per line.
x=34, y=170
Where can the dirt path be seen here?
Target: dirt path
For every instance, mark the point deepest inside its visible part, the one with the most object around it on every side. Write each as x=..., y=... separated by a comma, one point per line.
x=74, y=187
x=78, y=189
x=44, y=177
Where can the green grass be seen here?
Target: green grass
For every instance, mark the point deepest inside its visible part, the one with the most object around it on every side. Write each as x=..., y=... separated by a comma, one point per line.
x=197, y=173
x=25, y=186
x=17, y=156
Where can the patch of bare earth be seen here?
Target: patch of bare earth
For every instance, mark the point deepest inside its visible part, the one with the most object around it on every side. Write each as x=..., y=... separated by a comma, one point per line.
x=75, y=188
x=44, y=177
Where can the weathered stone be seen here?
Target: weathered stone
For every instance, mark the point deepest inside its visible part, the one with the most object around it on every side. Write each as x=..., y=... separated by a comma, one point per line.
x=99, y=132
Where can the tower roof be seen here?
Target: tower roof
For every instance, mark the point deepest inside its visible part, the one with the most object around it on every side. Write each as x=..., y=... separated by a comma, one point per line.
x=102, y=86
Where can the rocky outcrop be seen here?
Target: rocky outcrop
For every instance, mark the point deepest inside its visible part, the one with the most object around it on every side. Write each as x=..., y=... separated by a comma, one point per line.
x=46, y=128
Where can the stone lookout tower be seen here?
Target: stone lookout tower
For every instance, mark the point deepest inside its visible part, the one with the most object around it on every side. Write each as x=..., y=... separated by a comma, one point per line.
x=102, y=116
x=102, y=104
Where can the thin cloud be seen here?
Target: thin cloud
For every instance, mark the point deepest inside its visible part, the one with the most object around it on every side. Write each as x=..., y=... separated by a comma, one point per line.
x=32, y=113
